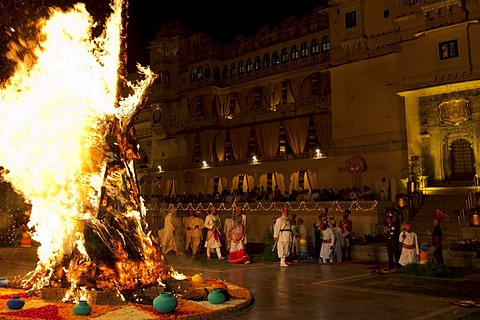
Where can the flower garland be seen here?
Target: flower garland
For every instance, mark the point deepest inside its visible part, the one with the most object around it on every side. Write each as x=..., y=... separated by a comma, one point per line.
x=276, y=206
x=38, y=309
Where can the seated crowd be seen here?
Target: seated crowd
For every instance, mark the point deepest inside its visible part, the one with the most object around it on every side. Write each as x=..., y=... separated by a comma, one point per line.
x=261, y=194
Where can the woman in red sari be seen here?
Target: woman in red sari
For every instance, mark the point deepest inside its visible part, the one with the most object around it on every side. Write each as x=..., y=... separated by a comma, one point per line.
x=237, y=243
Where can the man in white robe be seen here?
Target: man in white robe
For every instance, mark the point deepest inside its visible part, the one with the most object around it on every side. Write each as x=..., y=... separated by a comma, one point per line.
x=196, y=231
x=283, y=235
x=169, y=242
x=212, y=241
x=326, y=251
x=409, y=244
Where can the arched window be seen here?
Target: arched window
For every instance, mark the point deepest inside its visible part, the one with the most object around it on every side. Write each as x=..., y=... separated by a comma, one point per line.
x=216, y=73
x=207, y=71
x=166, y=78
x=193, y=75
x=266, y=61
x=325, y=44
x=225, y=72
x=200, y=73
x=257, y=64
x=294, y=53
x=241, y=67
x=275, y=58
x=285, y=55
x=159, y=79
x=249, y=65
x=314, y=47
x=304, y=50
x=233, y=70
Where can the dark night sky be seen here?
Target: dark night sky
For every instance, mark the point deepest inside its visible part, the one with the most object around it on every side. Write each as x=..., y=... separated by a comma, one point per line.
x=222, y=21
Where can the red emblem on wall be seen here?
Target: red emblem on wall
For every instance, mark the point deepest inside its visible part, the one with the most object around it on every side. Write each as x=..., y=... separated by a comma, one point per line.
x=355, y=164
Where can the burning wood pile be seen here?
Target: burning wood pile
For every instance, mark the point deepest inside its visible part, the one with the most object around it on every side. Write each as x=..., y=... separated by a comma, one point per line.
x=71, y=156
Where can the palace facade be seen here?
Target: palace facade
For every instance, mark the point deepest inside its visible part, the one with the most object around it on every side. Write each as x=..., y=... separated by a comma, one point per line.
x=355, y=91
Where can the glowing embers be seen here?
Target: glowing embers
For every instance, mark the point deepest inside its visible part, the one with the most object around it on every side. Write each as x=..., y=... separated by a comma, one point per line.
x=77, y=171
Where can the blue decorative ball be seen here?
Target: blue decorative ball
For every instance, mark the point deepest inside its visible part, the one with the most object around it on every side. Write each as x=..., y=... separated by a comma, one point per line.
x=424, y=247
x=15, y=303
x=303, y=254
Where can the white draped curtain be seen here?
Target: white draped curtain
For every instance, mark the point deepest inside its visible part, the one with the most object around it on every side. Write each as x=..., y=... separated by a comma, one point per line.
x=248, y=182
x=240, y=139
x=190, y=140
x=297, y=133
x=278, y=180
x=220, y=139
x=206, y=144
x=267, y=135
x=323, y=129
x=222, y=182
x=170, y=188
x=309, y=181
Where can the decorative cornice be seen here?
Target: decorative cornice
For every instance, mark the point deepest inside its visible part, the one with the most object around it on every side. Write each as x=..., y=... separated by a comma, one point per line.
x=437, y=6
x=354, y=44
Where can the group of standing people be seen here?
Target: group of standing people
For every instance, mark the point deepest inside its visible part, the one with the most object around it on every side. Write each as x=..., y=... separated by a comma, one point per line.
x=402, y=242
x=187, y=235
x=332, y=240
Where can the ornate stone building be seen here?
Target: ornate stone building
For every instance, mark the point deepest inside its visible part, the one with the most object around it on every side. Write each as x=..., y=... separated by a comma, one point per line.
x=356, y=91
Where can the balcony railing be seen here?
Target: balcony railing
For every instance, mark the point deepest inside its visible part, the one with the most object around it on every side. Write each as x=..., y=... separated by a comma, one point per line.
x=313, y=105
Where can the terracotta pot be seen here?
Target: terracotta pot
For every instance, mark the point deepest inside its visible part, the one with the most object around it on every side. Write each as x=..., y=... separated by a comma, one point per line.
x=26, y=241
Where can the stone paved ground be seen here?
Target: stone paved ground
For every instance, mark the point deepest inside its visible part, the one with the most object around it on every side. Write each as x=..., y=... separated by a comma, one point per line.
x=338, y=290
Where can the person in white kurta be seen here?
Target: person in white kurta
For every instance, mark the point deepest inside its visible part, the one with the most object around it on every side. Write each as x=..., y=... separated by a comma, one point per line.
x=283, y=235
x=196, y=231
x=227, y=230
x=328, y=240
x=187, y=229
x=409, y=244
x=168, y=237
x=212, y=241
x=337, y=247
x=179, y=233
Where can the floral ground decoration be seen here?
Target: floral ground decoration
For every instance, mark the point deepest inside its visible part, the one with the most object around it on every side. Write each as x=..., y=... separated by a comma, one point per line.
x=35, y=308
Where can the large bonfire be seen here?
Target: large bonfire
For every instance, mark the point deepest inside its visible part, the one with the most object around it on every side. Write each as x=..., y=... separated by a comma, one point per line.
x=68, y=148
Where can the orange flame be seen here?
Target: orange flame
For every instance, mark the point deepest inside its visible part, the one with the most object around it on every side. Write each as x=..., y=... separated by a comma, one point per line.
x=55, y=111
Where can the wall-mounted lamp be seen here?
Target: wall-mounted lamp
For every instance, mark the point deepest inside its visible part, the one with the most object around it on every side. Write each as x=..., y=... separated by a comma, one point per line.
x=204, y=164
x=318, y=154
x=160, y=169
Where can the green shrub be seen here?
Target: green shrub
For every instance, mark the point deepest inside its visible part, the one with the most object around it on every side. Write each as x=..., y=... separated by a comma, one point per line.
x=269, y=253
x=430, y=269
